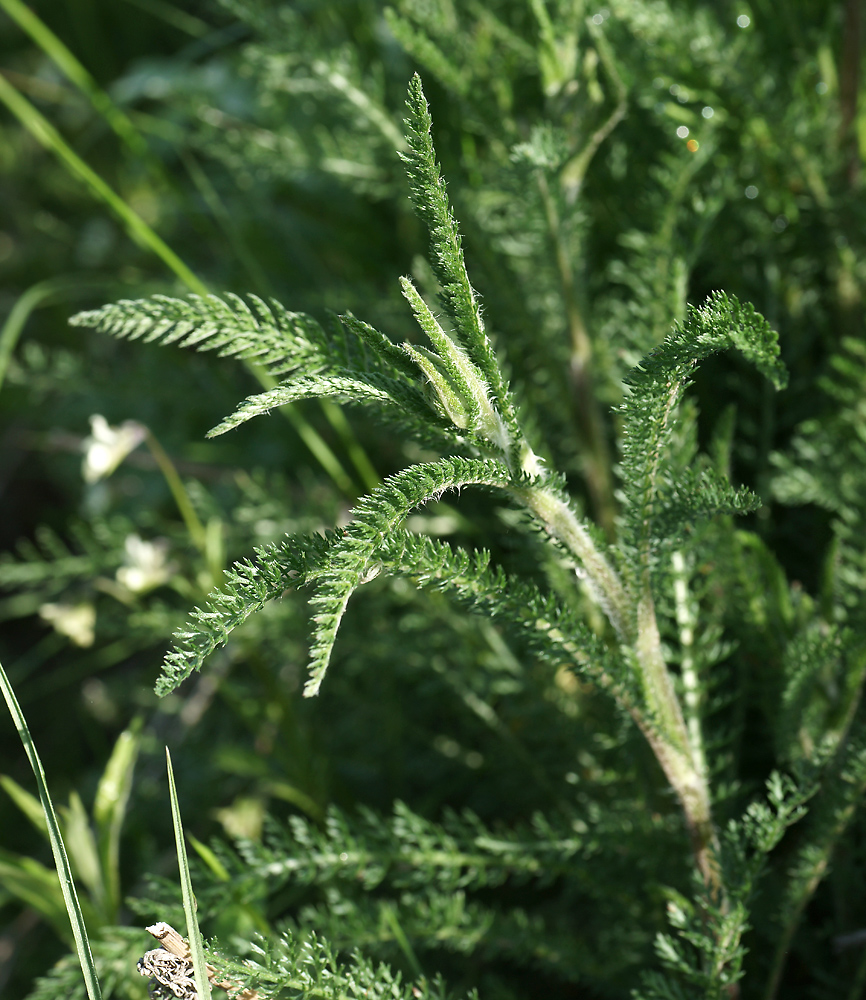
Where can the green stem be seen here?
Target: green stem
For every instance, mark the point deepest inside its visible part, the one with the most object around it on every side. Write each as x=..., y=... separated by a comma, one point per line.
x=58, y=849
x=637, y=629
x=659, y=684
x=670, y=741
x=72, y=69
x=562, y=523
x=179, y=492
x=47, y=135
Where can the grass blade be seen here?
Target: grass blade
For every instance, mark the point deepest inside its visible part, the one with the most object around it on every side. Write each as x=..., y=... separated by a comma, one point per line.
x=47, y=135
x=73, y=70
x=196, y=948
x=109, y=809
x=64, y=873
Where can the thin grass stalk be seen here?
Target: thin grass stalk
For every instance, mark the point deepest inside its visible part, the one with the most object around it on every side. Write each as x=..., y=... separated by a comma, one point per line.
x=363, y=466
x=47, y=136
x=58, y=849
x=73, y=70
x=196, y=946
x=178, y=491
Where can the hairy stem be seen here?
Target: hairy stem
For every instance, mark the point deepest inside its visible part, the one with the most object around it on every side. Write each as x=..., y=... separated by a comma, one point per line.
x=687, y=622
x=672, y=745
x=667, y=733
x=637, y=629
x=560, y=521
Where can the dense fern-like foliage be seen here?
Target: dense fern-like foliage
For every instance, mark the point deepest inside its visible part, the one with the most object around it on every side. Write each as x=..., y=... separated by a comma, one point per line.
x=456, y=386
x=823, y=468
x=650, y=420
x=311, y=968
x=247, y=588
x=581, y=727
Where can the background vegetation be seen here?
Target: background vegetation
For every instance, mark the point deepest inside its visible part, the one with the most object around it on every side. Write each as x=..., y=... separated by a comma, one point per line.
x=608, y=165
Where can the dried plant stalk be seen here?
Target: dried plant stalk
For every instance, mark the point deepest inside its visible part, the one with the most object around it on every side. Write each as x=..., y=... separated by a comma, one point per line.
x=171, y=967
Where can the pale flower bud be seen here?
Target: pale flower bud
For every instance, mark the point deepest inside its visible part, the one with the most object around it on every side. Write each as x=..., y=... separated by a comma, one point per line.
x=145, y=565
x=108, y=446
x=75, y=621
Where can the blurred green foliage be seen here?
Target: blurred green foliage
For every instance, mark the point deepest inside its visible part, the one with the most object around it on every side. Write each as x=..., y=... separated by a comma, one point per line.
x=608, y=165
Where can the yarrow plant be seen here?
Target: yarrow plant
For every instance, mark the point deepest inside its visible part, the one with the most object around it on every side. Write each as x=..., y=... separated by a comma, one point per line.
x=452, y=393
x=560, y=594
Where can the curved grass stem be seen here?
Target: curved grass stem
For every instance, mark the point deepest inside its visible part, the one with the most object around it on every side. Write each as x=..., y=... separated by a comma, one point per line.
x=58, y=848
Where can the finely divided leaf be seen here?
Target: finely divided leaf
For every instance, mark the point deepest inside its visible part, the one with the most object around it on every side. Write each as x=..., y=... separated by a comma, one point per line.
x=700, y=493
x=249, y=329
x=350, y=361
x=263, y=332
x=379, y=344
x=352, y=558
x=649, y=414
x=431, y=203
x=249, y=586
x=342, y=384
x=407, y=851
x=534, y=618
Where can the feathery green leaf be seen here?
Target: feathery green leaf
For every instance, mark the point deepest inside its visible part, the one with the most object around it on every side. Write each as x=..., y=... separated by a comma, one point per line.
x=649, y=413
x=536, y=619
x=431, y=203
x=249, y=585
x=387, y=395
x=353, y=555
x=262, y=332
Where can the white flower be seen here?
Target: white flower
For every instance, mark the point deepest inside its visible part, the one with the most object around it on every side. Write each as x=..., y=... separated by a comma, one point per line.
x=108, y=446
x=75, y=621
x=145, y=565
